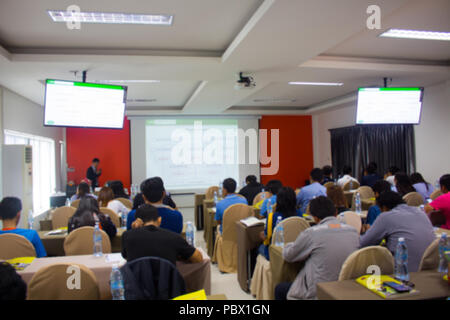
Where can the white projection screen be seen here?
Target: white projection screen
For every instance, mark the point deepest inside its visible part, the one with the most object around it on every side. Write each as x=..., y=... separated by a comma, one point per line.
x=190, y=154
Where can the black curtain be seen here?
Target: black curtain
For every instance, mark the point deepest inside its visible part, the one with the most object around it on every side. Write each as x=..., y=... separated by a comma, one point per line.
x=386, y=145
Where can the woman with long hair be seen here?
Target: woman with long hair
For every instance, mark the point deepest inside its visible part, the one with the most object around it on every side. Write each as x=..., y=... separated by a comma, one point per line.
x=106, y=199
x=403, y=185
x=118, y=190
x=336, y=194
x=421, y=186
x=83, y=190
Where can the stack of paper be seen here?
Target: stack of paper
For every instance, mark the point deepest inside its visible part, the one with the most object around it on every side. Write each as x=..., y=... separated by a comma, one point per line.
x=252, y=221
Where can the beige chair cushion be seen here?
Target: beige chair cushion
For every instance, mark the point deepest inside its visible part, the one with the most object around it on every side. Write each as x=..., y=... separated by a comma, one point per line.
x=114, y=216
x=75, y=203
x=329, y=184
x=356, y=263
x=14, y=246
x=225, y=248
x=430, y=258
x=81, y=241
x=258, y=197
x=209, y=194
x=61, y=216
x=365, y=192
x=436, y=194
x=355, y=185
x=126, y=202
x=292, y=227
x=413, y=199
x=51, y=283
x=352, y=219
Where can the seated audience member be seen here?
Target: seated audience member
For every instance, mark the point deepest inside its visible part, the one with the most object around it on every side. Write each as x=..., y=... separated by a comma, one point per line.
x=148, y=239
x=10, y=211
x=315, y=189
x=442, y=203
x=106, y=199
x=347, y=171
x=153, y=192
x=374, y=211
x=390, y=175
x=137, y=201
x=327, y=174
x=403, y=185
x=421, y=186
x=168, y=201
x=87, y=214
x=285, y=208
x=83, y=190
x=324, y=249
x=336, y=195
x=12, y=286
x=229, y=198
x=252, y=188
x=273, y=186
x=118, y=189
x=399, y=220
x=370, y=175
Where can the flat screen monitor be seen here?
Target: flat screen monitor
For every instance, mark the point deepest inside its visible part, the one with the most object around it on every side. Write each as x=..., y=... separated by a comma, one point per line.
x=389, y=105
x=82, y=104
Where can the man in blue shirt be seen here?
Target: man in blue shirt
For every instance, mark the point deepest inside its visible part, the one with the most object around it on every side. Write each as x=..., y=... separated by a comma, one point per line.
x=153, y=192
x=229, y=198
x=374, y=211
x=10, y=209
x=273, y=186
x=315, y=189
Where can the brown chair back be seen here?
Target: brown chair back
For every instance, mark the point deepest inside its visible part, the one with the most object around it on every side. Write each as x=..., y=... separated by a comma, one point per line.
x=231, y=215
x=81, y=241
x=14, y=246
x=329, y=184
x=430, y=258
x=292, y=227
x=258, y=197
x=357, y=263
x=209, y=194
x=435, y=194
x=352, y=219
x=413, y=199
x=52, y=283
x=353, y=183
x=61, y=216
x=114, y=216
x=126, y=202
x=365, y=192
x=75, y=203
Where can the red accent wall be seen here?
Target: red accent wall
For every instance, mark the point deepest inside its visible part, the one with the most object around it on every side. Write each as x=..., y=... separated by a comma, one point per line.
x=111, y=146
x=295, y=148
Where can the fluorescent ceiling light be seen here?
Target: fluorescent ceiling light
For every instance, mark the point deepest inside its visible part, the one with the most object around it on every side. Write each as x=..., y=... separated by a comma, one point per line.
x=127, y=81
x=275, y=100
x=116, y=18
x=316, y=83
x=416, y=34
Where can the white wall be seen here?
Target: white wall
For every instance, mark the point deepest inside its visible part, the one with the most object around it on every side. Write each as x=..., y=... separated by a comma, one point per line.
x=431, y=135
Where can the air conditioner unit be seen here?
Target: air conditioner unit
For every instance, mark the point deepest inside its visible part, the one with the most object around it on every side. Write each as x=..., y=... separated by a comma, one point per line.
x=17, y=176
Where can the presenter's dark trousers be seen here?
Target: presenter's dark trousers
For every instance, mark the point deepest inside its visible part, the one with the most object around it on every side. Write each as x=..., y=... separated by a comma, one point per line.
x=281, y=290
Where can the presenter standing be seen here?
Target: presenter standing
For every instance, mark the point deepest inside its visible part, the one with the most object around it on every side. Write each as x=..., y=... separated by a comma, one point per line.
x=93, y=173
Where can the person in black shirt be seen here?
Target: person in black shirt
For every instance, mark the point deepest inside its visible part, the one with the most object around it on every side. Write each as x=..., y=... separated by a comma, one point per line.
x=327, y=174
x=370, y=175
x=252, y=188
x=93, y=173
x=146, y=239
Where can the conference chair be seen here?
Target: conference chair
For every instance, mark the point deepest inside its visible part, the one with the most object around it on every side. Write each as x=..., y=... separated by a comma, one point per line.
x=329, y=184
x=81, y=241
x=357, y=263
x=258, y=198
x=365, y=193
x=52, y=283
x=14, y=246
x=113, y=215
x=436, y=194
x=152, y=278
x=75, y=203
x=430, y=258
x=261, y=284
x=354, y=185
x=61, y=216
x=352, y=219
x=209, y=194
x=225, y=249
x=413, y=199
x=126, y=202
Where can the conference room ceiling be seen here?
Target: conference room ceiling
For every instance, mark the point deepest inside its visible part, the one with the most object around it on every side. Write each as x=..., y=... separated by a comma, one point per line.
x=197, y=59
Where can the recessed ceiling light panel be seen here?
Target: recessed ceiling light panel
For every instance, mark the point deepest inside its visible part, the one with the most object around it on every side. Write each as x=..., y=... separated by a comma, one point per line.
x=416, y=34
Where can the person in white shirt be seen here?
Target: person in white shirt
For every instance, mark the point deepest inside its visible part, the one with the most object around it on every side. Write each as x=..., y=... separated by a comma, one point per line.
x=390, y=175
x=106, y=199
x=347, y=170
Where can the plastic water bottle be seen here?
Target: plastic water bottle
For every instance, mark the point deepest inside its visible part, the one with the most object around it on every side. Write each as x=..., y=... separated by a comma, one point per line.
x=263, y=195
x=443, y=246
x=351, y=184
x=190, y=233
x=30, y=219
x=215, y=198
x=401, y=261
x=68, y=202
x=116, y=283
x=124, y=219
x=358, y=203
x=98, y=250
x=279, y=239
x=220, y=191
x=437, y=185
x=269, y=206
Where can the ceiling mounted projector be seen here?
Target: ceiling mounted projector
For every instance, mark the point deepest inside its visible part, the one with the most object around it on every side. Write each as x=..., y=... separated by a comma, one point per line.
x=244, y=82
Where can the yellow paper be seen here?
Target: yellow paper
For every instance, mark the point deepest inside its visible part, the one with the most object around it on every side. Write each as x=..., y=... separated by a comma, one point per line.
x=375, y=284
x=259, y=204
x=197, y=295
x=21, y=263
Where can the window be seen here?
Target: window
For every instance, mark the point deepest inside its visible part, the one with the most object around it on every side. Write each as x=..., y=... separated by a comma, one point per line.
x=43, y=167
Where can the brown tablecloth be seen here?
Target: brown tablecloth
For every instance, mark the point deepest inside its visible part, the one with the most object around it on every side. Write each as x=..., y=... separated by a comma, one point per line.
x=430, y=285
x=196, y=275
x=248, y=239
x=198, y=207
x=282, y=271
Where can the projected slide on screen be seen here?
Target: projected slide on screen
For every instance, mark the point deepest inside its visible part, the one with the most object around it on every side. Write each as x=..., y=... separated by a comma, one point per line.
x=191, y=154
x=79, y=104
x=389, y=105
